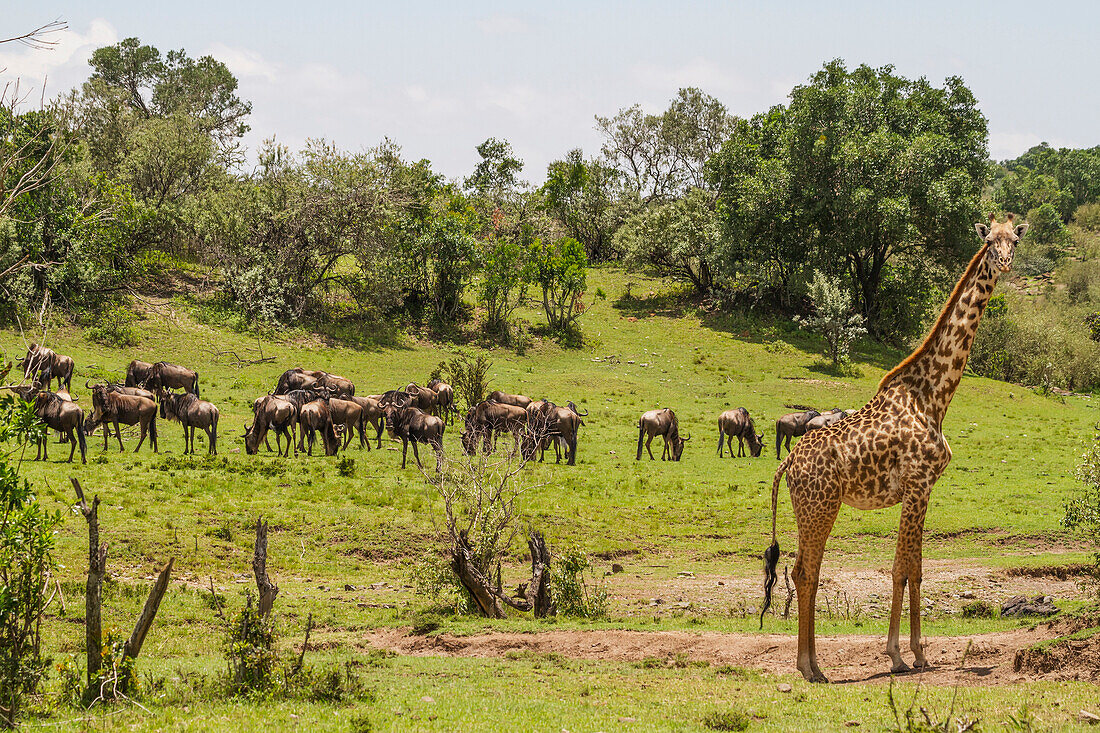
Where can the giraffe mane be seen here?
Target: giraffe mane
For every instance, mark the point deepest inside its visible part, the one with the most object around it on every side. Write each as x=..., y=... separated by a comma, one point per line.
x=944, y=315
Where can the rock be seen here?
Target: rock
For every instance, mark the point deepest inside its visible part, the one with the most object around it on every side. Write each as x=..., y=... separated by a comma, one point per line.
x=617, y=568
x=852, y=723
x=427, y=698
x=685, y=574
x=1086, y=717
x=624, y=719
x=349, y=587
x=1021, y=606
x=656, y=601
x=968, y=594
x=783, y=687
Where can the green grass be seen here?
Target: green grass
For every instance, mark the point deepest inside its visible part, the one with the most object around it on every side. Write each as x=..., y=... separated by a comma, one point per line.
x=998, y=505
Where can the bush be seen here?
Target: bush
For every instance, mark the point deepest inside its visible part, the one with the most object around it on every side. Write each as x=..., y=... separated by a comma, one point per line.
x=572, y=593
x=832, y=317
x=1082, y=513
x=114, y=327
x=1087, y=216
x=26, y=561
x=978, y=609
x=1045, y=226
x=250, y=651
x=467, y=375
x=726, y=720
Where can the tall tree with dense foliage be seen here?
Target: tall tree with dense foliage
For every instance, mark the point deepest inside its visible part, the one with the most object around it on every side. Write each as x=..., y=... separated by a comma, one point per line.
x=589, y=199
x=560, y=269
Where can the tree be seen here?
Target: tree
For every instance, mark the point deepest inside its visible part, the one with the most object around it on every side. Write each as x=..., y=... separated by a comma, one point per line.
x=497, y=172
x=833, y=317
x=560, y=269
x=503, y=284
x=589, y=199
x=884, y=167
x=679, y=239
x=664, y=155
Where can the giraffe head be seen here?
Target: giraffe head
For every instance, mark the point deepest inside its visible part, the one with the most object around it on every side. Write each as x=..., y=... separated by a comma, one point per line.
x=1001, y=240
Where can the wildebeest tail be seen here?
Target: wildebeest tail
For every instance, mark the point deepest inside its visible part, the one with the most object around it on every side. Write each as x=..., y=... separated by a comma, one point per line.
x=640, y=434
x=771, y=555
x=196, y=384
x=214, y=433
x=82, y=439
x=153, y=429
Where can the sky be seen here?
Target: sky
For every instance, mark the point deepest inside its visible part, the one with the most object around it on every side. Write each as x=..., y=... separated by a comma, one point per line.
x=439, y=78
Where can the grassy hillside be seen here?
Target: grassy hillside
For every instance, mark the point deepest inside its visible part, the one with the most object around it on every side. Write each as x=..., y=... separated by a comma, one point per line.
x=999, y=503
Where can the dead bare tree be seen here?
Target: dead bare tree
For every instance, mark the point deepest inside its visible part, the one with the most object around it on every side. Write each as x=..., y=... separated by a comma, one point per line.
x=39, y=39
x=479, y=502
x=268, y=590
x=117, y=683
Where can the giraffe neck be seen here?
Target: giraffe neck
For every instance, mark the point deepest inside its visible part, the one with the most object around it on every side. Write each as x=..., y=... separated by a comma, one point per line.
x=933, y=371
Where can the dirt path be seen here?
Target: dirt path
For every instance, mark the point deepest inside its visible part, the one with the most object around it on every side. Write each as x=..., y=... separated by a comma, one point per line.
x=845, y=659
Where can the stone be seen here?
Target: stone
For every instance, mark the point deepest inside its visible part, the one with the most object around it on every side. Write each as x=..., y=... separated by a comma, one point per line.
x=783, y=687
x=1086, y=717
x=617, y=568
x=1021, y=606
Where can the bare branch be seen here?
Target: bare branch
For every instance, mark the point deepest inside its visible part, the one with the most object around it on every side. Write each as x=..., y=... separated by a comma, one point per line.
x=39, y=38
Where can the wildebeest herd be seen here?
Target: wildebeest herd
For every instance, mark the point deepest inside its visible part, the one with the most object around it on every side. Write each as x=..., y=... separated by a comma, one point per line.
x=306, y=403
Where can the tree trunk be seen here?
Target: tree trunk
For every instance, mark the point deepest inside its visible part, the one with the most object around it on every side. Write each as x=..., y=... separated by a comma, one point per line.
x=93, y=595
x=145, y=620
x=268, y=590
x=533, y=596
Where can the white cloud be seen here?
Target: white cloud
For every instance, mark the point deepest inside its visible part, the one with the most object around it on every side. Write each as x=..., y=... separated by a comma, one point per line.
x=698, y=72
x=61, y=67
x=244, y=62
x=502, y=25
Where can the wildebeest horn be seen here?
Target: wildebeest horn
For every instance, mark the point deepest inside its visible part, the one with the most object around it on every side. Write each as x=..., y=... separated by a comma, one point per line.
x=86, y=384
x=686, y=438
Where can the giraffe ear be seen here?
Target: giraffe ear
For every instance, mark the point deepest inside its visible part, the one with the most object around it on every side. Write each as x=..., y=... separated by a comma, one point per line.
x=982, y=230
x=1020, y=231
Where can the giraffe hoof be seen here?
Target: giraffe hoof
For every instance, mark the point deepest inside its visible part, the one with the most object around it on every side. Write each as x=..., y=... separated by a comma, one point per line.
x=899, y=667
x=921, y=663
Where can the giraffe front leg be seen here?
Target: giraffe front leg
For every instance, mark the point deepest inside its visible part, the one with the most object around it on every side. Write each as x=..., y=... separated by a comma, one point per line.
x=907, y=571
x=893, y=648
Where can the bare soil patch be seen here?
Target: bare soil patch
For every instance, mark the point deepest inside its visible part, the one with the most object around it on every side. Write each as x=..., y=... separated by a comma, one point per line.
x=845, y=659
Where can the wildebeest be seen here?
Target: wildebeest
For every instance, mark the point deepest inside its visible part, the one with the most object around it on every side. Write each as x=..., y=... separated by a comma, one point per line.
x=138, y=373
x=791, y=425
x=191, y=412
x=172, y=376
x=444, y=399
x=64, y=416
x=45, y=365
x=547, y=422
x=509, y=399
x=661, y=422
x=488, y=419
x=296, y=378
x=337, y=386
x=272, y=412
x=826, y=419
x=114, y=408
x=349, y=414
x=737, y=423
x=371, y=413
x=423, y=398
x=413, y=425
x=315, y=417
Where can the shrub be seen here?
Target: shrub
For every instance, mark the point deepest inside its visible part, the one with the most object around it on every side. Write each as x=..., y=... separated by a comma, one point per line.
x=250, y=651
x=114, y=326
x=1082, y=513
x=978, y=609
x=832, y=317
x=467, y=375
x=1087, y=216
x=346, y=467
x=1045, y=226
x=26, y=561
x=573, y=594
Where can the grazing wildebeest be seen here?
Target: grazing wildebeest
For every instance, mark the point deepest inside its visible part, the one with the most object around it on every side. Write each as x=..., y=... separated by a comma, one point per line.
x=191, y=412
x=489, y=419
x=64, y=416
x=297, y=378
x=506, y=398
x=371, y=413
x=444, y=399
x=172, y=376
x=348, y=414
x=272, y=412
x=738, y=423
x=138, y=373
x=314, y=417
x=337, y=386
x=111, y=407
x=791, y=425
x=45, y=365
x=546, y=423
x=661, y=422
x=413, y=425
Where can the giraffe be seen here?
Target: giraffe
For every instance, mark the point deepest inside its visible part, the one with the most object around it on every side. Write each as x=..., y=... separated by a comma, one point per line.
x=891, y=451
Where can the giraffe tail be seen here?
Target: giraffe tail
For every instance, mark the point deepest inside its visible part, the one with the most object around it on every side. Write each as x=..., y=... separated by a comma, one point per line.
x=771, y=555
